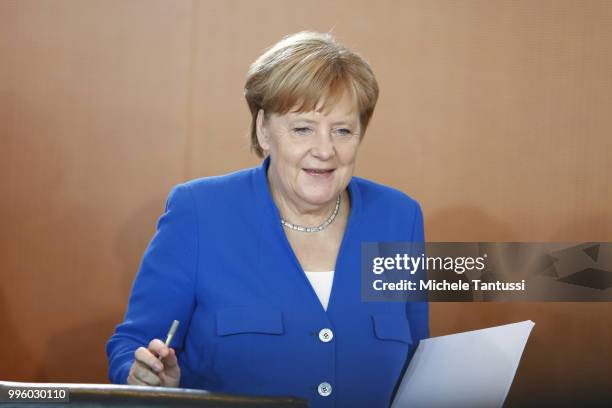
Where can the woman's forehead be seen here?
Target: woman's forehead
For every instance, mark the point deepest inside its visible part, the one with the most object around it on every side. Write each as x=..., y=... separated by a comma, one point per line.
x=338, y=105
x=313, y=98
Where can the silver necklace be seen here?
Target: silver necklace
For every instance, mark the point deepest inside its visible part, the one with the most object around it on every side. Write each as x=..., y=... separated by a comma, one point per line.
x=321, y=227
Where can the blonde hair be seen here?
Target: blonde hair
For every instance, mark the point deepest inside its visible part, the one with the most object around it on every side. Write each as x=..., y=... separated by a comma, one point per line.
x=303, y=69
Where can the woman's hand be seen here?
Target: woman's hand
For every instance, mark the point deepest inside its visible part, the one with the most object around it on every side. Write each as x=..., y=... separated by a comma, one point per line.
x=148, y=369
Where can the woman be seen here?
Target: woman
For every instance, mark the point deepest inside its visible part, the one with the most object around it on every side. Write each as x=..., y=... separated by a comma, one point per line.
x=262, y=266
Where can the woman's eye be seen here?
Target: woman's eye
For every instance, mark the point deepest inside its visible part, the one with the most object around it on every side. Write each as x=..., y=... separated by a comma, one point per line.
x=302, y=130
x=343, y=132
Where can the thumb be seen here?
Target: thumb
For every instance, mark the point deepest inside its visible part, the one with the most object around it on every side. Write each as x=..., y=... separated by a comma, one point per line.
x=170, y=361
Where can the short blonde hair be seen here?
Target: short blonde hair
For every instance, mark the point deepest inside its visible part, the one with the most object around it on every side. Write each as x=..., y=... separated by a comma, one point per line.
x=303, y=69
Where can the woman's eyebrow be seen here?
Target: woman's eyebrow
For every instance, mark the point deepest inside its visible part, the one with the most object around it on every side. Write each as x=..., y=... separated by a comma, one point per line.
x=344, y=121
x=304, y=120
x=347, y=121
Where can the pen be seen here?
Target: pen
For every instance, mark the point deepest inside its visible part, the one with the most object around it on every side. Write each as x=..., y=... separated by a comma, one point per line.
x=171, y=333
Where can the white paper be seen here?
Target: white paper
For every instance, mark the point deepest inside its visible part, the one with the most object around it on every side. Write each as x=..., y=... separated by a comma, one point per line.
x=472, y=369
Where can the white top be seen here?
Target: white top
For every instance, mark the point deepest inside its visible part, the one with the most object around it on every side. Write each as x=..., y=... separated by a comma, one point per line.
x=322, y=284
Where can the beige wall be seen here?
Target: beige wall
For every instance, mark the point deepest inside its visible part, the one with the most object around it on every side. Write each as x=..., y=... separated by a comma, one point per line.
x=495, y=115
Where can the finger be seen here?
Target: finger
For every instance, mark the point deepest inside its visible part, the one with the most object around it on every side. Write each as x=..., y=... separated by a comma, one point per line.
x=135, y=377
x=147, y=358
x=157, y=347
x=132, y=380
x=170, y=360
x=144, y=374
x=169, y=380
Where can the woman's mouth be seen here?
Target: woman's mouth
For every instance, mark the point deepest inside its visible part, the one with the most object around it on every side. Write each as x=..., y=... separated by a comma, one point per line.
x=319, y=172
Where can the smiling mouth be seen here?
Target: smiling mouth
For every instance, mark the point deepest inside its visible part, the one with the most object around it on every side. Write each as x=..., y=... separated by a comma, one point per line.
x=319, y=172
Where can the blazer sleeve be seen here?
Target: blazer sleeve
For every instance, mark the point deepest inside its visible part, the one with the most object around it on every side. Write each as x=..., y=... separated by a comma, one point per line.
x=164, y=288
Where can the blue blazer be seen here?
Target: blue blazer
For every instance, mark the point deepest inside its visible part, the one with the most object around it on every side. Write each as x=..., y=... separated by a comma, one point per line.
x=251, y=323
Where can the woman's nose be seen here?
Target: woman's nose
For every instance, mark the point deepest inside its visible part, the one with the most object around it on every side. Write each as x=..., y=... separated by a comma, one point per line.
x=323, y=146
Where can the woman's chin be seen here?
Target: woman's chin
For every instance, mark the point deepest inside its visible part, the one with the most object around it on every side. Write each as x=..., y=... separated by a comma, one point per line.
x=320, y=198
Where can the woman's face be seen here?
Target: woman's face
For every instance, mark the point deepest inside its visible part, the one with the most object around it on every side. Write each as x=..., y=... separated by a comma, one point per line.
x=312, y=154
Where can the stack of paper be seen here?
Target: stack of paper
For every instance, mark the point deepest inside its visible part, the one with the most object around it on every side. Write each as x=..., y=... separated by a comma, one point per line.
x=472, y=369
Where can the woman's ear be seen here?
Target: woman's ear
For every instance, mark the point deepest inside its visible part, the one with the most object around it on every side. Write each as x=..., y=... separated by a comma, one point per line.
x=262, y=133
